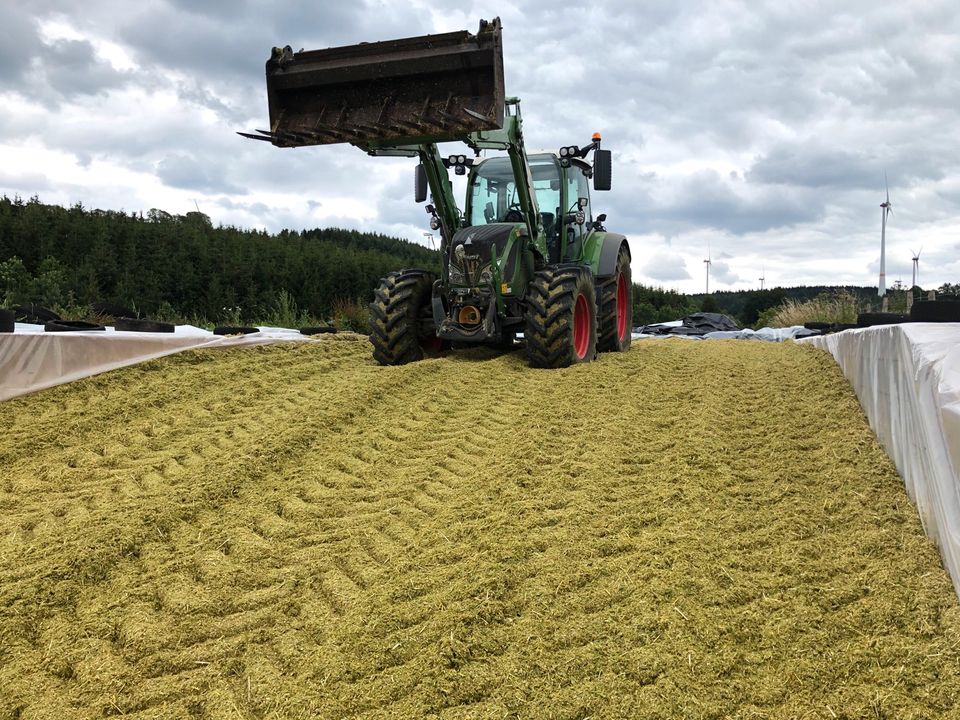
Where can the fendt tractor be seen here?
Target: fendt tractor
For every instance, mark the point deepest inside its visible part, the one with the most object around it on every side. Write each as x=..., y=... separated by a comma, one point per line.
x=526, y=255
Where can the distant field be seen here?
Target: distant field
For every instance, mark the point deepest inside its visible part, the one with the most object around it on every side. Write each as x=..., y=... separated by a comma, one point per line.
x=690, y=529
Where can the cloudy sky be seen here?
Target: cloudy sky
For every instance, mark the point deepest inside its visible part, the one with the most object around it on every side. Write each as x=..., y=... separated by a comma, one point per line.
x=761, y=132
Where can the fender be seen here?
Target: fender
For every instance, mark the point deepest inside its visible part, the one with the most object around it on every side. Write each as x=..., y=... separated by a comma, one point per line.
x=601, y=250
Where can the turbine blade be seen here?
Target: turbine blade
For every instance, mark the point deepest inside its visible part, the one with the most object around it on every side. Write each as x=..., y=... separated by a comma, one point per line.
x=886, y=185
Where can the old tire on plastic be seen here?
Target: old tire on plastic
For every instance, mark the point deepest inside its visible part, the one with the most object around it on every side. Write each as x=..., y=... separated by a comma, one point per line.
x=616, y=308
x=127, y=324
x=111, y=310
x=870, y=319
x=318, y=330
x=234, y=330
x=34, y=314
x=401, y=317
x=561, y=317
x=8, y=320
x=71, y=326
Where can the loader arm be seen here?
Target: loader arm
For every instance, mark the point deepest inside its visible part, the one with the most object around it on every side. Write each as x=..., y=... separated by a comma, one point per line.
x=510, y=138
x=442, y=191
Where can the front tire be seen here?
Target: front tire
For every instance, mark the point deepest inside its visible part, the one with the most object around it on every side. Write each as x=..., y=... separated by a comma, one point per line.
x=561, y=317
x=399, y=317
x=616, y=307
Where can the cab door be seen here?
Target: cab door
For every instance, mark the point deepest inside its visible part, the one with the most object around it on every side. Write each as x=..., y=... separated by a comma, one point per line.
x=576, y=205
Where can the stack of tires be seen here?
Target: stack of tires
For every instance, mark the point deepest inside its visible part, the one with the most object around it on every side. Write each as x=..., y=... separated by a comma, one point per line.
x=869, y=319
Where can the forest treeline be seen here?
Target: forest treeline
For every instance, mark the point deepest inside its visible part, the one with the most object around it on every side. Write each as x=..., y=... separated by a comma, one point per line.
x=181, y=266
x=166, y=264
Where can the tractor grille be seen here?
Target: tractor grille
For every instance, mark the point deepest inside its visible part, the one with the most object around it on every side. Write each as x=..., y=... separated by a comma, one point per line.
x=477, y=243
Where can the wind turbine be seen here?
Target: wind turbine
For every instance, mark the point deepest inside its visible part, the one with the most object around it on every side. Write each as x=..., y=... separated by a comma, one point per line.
x=884, y=211
x=916, y=266
x=708, y=263
x=763, y=276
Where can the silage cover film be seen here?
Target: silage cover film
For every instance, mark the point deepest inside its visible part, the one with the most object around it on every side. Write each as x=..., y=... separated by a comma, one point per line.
x=698, y=530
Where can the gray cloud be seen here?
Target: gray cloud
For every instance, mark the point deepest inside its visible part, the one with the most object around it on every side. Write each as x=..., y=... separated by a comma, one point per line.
x=721, y=272
x=183, y=171
x=707, y=199
x=49, y=71
x=70, y=68
x=664, y=267
x=18, y=38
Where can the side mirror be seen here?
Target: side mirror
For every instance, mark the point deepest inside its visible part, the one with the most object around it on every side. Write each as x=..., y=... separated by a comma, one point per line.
x=420, y=184
x=602, y=161
x=602, y=217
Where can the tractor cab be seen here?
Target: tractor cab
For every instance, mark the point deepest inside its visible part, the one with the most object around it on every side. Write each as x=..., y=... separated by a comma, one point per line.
x=562, y=192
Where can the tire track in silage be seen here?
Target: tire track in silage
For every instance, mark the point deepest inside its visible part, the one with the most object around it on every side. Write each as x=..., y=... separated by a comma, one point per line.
x=415, y=496
x=295, y=562
x=146, y=522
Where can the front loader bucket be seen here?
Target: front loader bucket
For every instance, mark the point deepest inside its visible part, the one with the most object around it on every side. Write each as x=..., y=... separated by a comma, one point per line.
x=430, y=88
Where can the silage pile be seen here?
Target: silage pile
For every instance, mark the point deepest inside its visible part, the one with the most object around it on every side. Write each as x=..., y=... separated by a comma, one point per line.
x=696, y=530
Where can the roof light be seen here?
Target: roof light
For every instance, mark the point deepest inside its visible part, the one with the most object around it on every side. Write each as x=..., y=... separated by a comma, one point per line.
x=596, y=136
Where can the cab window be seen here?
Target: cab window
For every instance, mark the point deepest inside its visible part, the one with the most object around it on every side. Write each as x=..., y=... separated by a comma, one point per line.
x=494, y=198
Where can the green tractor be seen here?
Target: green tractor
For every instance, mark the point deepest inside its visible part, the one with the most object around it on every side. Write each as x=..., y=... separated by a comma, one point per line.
x=526, y=255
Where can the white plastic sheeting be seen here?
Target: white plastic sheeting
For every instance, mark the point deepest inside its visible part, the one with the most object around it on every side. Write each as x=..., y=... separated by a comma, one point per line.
x=31, y=359
x=767, y=334
x=907, y=378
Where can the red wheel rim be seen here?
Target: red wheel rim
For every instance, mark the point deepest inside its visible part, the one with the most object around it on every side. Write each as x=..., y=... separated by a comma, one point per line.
x=581, y=327
x=621, y=308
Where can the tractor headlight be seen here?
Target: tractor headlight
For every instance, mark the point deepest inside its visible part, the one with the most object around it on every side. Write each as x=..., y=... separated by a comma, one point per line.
x=486, y=276
x=434, y=223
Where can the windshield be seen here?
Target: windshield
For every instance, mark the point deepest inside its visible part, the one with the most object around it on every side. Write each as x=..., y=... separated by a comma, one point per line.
x=493, y=196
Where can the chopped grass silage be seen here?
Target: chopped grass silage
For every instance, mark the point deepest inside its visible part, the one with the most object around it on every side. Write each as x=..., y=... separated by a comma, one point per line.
x=697, y=530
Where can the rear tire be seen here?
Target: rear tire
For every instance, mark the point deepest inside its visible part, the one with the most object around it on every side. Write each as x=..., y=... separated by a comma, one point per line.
x=561, y=317
x=400, y=307
x=616, y=308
